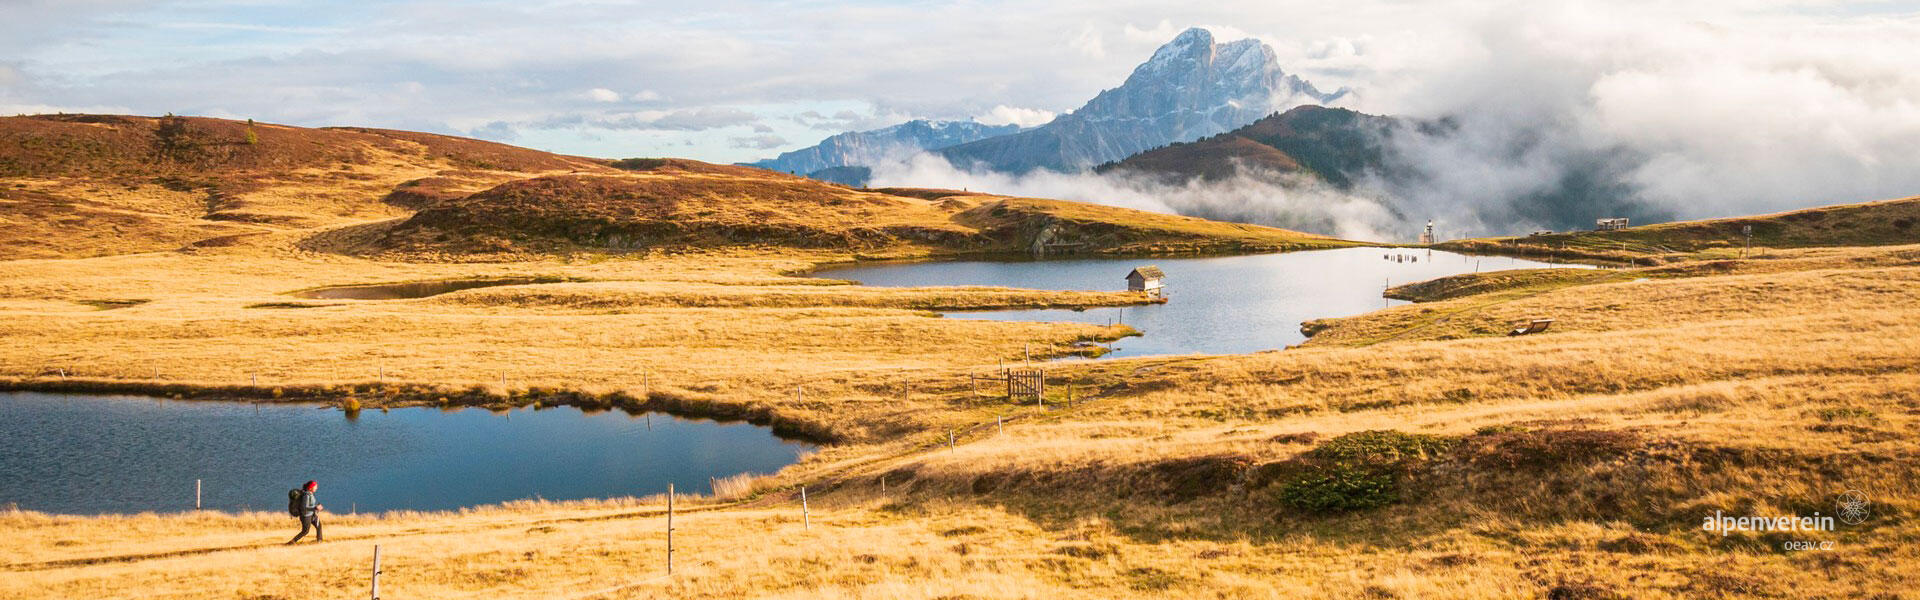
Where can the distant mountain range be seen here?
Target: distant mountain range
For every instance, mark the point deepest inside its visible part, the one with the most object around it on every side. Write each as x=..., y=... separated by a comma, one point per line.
x=864, y=148
x=1208, y=111
x=1370, y=154
x=1191, y=88
x=1333, y=144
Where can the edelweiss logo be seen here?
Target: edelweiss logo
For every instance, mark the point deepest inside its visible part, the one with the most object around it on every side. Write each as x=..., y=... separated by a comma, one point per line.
x=1854, y=508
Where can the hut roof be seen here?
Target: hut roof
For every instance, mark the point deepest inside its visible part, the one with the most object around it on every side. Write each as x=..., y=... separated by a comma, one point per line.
x=1147, y=272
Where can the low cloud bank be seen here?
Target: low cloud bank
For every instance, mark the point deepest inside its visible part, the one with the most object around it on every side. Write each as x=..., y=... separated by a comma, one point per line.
x=1555, y=115
x=1289, y=201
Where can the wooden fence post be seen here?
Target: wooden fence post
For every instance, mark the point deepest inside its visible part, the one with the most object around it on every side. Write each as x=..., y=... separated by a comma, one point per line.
x=998, y=426
x=376, y=572
x=949, y=440
x=669, y=528
x=806, y=518
x=196, y=494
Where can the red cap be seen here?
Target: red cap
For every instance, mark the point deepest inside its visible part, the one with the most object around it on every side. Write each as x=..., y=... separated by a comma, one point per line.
x=313, y=484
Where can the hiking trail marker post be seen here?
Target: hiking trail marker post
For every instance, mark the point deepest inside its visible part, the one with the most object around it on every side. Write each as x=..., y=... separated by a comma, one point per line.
x=196, y=494
x=806, y=516
x=376, y=572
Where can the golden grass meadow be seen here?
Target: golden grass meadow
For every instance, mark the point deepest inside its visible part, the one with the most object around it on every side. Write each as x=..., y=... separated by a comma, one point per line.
x=1412, y=452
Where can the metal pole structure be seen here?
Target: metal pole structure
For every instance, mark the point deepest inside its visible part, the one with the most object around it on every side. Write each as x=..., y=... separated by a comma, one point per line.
x=196, y=494
x=376, y=572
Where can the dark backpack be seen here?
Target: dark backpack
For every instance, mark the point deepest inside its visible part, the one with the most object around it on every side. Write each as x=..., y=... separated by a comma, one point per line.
x=296, y=502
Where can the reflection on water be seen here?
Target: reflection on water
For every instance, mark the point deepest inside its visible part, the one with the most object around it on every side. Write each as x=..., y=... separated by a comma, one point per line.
x=417, y=289
x=1221, y=305
x=118, y=454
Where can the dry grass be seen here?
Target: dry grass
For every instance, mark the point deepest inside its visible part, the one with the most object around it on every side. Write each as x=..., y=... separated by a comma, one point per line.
x=1571, y=464
x=1159, y=487
x=1887, y=222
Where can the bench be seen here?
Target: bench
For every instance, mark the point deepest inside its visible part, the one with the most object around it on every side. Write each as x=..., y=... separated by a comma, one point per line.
x=1534, y=326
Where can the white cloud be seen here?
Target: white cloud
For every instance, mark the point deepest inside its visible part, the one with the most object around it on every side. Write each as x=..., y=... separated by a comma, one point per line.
x=1158, y=34
x=42, y=109
x=1735, y=106
x=765, y=141
x=1301, y=204
x=1090, y=43
x=1024, y=117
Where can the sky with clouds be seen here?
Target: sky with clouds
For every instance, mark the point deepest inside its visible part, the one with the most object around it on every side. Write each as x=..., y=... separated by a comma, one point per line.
x=1701, y=87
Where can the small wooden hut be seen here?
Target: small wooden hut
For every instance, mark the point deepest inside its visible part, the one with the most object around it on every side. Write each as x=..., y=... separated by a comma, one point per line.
x=1145, y=279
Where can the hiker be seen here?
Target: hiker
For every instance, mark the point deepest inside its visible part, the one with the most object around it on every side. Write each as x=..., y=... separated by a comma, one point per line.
x=300, y=503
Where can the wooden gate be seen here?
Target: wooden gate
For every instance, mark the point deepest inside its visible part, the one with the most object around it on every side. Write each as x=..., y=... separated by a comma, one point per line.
x=1026, y=384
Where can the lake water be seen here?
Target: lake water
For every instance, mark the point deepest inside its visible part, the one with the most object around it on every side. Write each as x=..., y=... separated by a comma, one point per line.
x=1218, y=305
x=121, y=454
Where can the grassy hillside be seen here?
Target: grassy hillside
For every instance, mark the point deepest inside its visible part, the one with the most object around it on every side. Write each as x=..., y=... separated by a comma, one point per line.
x=714, y=206
x=93, y=185
x=1887, y=222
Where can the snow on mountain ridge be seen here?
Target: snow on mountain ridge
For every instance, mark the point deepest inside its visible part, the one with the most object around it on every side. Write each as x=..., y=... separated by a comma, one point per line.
x=865, y=148
x=1190, y=88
